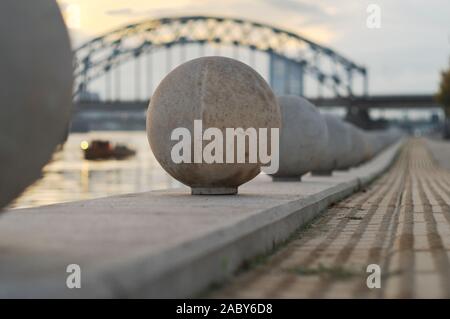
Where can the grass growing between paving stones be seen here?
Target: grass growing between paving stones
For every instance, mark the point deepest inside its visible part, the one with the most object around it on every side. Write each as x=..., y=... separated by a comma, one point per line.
x=261, y=259
x=336, y=273
x=331, y=255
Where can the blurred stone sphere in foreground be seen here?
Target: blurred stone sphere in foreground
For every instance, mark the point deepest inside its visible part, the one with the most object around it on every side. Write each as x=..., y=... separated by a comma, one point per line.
x=222, y=93
x=36, y=90
x=303, y=138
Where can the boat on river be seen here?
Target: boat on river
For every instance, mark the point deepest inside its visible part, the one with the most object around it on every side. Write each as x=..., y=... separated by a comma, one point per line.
x=104, y=150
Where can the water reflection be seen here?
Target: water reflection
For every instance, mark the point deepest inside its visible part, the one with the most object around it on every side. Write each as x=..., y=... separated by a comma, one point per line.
x=69, y=177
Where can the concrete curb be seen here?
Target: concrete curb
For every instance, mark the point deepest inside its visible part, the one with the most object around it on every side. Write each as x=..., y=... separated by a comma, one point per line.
x=155, y=265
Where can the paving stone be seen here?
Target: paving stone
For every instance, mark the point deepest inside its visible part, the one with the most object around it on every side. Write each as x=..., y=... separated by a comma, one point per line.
x=402, y=223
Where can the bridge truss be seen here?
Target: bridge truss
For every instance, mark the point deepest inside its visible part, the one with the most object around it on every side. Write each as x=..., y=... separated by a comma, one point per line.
x=100, y=57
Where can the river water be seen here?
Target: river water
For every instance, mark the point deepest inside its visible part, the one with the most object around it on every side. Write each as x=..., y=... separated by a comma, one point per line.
x=69, y=177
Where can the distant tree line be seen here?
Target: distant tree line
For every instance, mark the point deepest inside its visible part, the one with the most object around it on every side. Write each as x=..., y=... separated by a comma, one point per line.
x=443, y=98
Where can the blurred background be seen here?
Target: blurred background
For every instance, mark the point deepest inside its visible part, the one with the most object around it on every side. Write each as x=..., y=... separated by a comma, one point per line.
x=378, y=64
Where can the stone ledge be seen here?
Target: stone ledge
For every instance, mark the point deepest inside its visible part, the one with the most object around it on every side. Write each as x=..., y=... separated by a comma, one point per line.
x=165, y=243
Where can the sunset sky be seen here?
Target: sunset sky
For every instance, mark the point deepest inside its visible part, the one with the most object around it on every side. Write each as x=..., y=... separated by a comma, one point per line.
x=404, y=55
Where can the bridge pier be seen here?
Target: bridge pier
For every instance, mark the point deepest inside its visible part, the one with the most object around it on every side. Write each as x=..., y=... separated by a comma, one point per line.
x=359, y=117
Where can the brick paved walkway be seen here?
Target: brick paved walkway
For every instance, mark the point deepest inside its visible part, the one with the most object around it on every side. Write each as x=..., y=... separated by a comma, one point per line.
x=401, y=222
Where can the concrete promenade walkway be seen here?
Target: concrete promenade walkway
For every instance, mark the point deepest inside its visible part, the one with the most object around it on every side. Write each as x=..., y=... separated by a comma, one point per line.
x=163, y=243
x=401, y=222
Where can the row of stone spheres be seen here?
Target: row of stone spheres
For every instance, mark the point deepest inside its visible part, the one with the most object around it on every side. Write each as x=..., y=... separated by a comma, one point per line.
x=36, y=100
x=225, y=93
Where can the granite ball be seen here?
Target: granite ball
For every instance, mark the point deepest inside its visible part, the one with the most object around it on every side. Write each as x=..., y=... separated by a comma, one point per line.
x=337, y=149
x=359, y=147
x=377, y=141
x=303, y=138
x=346, y=161
x=222, y=93
x=36, y=90
x=369, y=146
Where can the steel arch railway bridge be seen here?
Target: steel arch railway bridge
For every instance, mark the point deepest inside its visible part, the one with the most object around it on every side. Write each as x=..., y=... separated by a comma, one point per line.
x=116, y=73
x=292, y=59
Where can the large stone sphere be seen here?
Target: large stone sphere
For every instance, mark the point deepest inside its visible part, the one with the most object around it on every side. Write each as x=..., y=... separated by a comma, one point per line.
x=369, y=146
x=303, y=138
x=359, y=147
x=377, y=141
x=222, y=93
x=385, y=138
x=338, y=147
x=36, y=90
x=346, y=160
x=392, y=135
